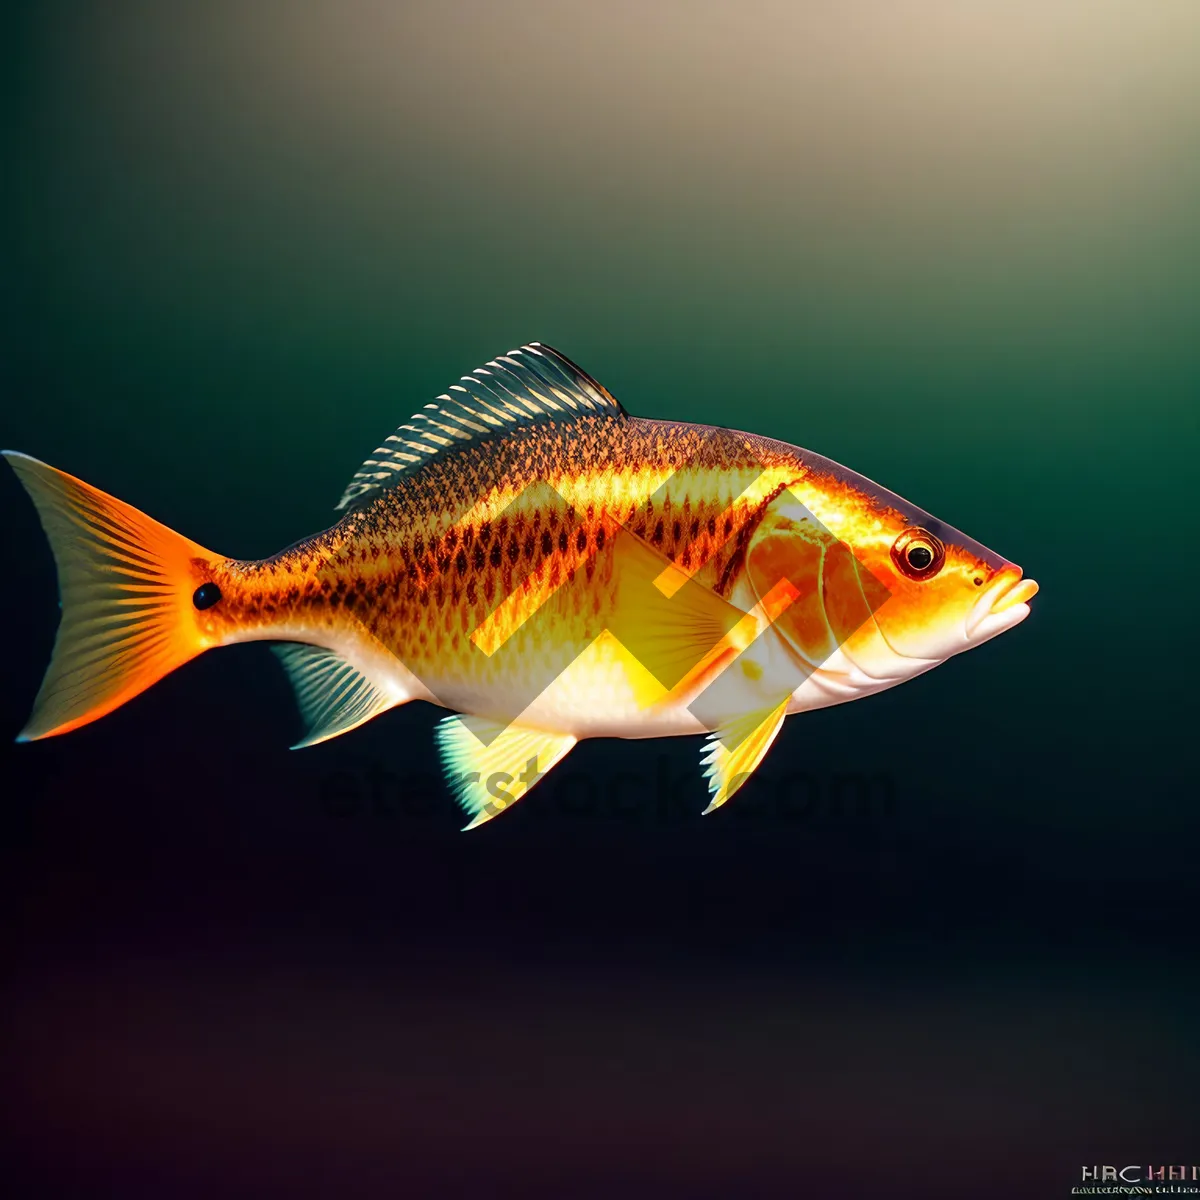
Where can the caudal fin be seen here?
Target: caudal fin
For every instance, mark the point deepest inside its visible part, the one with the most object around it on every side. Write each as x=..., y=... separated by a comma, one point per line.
x=126, y=584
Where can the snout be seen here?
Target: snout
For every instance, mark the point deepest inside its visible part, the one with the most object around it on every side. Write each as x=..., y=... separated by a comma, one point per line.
x=1003, y=603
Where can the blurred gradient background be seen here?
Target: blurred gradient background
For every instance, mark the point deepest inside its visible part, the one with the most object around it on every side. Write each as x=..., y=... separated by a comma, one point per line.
x=952, y=244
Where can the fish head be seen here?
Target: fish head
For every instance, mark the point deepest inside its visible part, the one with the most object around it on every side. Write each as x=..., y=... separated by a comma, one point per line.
x=879, y=586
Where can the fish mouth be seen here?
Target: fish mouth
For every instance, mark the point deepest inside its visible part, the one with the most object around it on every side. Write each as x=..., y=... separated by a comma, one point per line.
x=1004, y=603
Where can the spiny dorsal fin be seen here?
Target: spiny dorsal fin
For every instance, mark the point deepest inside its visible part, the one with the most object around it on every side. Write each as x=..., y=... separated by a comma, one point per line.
x=333, y=695
x=531, y=385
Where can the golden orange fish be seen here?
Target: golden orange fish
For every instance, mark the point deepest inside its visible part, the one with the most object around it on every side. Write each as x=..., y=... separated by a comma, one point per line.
x=528, y=555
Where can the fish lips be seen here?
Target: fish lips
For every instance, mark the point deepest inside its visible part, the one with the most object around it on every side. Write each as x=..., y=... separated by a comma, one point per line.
x=1003, y=604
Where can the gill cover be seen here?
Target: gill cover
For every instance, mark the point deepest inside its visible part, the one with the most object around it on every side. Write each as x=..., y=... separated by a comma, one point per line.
x=837, y=594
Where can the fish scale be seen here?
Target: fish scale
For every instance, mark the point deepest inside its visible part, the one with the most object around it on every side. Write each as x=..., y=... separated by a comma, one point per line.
x=420, y=581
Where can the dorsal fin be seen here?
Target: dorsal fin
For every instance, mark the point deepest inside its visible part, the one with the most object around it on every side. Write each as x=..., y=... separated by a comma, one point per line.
x=529, y=386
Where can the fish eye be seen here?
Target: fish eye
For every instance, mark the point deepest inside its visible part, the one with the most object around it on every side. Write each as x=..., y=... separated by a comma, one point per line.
x=206, y=595
x=918, y=554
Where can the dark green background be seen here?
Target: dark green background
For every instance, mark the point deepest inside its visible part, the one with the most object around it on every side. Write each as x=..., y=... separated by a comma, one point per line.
x=954, y=246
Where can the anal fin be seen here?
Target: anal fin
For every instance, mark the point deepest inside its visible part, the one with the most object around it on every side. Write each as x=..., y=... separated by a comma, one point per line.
x=490, y=766
x=734, y=751
x=333, y=695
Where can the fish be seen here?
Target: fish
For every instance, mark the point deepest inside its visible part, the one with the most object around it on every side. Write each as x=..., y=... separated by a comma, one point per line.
x=526, y=554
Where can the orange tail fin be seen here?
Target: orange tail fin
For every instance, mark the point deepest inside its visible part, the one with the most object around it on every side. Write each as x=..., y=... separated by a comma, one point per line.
x=126, y=585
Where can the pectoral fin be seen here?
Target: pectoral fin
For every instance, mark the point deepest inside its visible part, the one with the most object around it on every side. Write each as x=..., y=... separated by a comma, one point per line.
x=490, y=766
x=680, y=631
x=734, y=751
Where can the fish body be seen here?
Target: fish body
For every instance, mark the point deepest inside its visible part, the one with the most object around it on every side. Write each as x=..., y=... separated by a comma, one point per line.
x=415, y=577
x=530, y=556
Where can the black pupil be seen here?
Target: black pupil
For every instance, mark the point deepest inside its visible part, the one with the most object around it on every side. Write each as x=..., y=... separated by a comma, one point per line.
x=919, y=557
x=206, y=595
